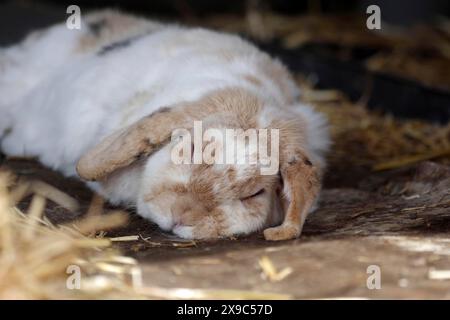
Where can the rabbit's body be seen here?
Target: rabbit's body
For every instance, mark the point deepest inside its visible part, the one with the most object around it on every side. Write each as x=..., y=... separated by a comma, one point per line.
x=64, y=91
x=72, y=98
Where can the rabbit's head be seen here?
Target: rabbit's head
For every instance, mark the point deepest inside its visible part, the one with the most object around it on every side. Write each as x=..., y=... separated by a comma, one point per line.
x=202, y=195
x=215, y=174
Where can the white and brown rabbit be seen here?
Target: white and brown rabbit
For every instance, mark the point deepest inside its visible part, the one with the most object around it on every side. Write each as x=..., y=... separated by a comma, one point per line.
x=103, y=102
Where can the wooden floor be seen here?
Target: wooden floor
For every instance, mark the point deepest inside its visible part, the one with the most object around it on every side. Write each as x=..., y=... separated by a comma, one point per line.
x=398, y=222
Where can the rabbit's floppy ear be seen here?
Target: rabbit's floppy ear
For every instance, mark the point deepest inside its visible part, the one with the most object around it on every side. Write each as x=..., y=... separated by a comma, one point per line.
x=125, y=146
x=301, y=184
x=144, y=137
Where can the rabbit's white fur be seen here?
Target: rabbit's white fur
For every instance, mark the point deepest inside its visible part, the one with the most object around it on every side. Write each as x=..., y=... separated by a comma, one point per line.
x=59, y=99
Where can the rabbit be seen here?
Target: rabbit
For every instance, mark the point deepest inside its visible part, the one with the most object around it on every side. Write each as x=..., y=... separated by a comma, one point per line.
x=103, y=104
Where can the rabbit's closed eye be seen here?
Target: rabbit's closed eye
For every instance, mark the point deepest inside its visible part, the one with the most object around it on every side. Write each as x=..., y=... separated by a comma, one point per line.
x=254, y=195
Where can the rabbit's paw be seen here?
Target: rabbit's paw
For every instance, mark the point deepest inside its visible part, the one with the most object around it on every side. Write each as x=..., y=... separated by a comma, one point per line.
x=283, y=232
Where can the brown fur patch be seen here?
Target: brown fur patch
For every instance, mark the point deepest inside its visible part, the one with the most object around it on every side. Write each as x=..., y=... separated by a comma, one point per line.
x=177, y=188
x=210, y=226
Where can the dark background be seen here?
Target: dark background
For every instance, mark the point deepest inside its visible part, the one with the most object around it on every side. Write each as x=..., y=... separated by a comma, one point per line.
x=17, y=16
x=399, y=96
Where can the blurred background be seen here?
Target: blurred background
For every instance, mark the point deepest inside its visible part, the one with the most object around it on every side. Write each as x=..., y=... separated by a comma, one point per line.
x=403, y=68
x=386, y=91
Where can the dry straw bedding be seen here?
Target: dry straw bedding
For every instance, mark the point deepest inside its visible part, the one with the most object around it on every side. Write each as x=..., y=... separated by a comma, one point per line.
x=36, y=255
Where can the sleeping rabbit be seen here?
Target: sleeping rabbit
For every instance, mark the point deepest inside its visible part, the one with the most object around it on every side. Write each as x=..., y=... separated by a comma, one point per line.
x=105, y=102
